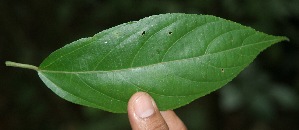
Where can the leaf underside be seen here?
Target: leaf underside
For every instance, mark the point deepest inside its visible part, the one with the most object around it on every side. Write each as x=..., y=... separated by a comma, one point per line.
x=176, y=58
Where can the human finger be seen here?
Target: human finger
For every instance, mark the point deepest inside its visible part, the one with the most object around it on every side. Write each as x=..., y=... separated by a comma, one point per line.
x=144, y=114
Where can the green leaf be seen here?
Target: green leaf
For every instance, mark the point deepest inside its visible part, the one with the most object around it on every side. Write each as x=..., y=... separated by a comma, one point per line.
x=176, y=58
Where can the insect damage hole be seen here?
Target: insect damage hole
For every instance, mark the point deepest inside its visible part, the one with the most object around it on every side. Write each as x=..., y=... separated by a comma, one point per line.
x=222, y=70
x=143, y=33
x=169, y=32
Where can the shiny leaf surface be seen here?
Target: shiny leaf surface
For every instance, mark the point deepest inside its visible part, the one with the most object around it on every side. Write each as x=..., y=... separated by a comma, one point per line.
x=176, y=58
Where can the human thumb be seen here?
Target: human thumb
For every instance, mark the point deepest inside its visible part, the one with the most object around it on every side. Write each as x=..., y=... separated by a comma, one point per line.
x=144, y=114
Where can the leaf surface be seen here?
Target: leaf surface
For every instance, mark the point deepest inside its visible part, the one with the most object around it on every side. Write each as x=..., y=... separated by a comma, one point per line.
x=176, y=58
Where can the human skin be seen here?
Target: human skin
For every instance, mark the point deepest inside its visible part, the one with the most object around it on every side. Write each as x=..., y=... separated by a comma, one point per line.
x=144, y=115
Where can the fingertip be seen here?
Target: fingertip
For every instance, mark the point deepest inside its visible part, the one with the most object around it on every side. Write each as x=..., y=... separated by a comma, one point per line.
x=135, y=98
x=143, y=112
x=144, y=106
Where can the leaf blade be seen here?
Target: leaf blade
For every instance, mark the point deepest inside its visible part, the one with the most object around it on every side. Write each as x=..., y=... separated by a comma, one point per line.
x=171, y=58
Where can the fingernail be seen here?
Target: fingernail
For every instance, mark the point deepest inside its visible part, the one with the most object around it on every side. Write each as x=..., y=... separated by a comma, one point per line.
x=143, y=106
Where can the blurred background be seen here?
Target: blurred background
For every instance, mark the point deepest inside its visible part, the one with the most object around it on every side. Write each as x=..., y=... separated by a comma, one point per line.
x=265, y=96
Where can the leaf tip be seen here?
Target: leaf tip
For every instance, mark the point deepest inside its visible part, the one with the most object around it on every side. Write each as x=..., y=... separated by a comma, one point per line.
x=283, y=38
x=286, y=39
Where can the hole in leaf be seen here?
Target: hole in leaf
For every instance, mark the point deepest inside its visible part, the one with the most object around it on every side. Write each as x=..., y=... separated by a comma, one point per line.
x=143, y=33
x=222, y=70
x=169, y=33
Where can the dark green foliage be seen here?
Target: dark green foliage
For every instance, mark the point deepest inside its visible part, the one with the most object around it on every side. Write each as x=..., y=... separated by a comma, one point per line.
x=176, y=58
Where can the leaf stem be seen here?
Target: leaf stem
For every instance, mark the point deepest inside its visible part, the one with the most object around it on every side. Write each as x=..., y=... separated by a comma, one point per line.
x=19, y=65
